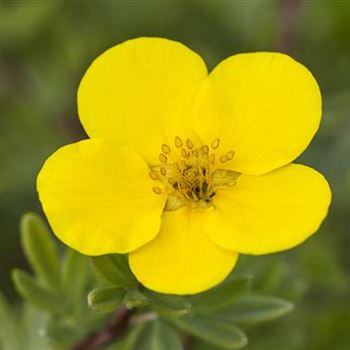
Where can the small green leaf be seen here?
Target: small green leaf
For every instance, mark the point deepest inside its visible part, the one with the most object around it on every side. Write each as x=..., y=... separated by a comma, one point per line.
x=158, y=335
x=172, y=306
x=221, y=296
x=75, y=269
x=134, y=298
x=40, y=249
x=105, y=299
x=33, y=292
x=216, y=332
x=256, y=308
x=8, y=338
x=114, y=269
x=130, y=340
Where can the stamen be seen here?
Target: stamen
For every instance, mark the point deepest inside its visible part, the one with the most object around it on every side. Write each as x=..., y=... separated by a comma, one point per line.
x=195, y=153
x=215, y=144
x=163, y=171
x=205, y=149
x=153, y=175
x=223, y=159
x=189, y=144
x=184, y=153
x=166, y=149
x=230, y=155
x=163, y=158
x=157, y=190
x=178, y=142
x=212, y=158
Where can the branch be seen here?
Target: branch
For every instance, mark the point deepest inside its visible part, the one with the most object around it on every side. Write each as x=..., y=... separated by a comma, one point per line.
x=112, y=331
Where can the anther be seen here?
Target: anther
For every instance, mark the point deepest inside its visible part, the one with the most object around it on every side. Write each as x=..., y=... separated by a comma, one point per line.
x=157, y=190
x=184, y=153
x=178, y=142
x=215, y=143
x=163, y=158
x=153, y=175
x=189, y=144
x=163, y=171
x=223, y=159
x=195, y=153
x=212, y=158
x=205, y=149
x=230, y=155
x=166, y=149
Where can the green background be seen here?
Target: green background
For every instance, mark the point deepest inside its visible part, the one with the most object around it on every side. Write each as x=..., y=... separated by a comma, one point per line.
x=45, y=47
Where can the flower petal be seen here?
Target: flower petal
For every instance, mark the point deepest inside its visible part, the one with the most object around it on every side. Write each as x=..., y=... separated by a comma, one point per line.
x=264, y=106
x=181, y=259
x=99, y=199
x=272, y=212
x=141, y=93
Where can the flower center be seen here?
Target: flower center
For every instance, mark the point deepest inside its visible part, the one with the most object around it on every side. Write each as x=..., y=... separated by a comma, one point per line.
x=192, y=175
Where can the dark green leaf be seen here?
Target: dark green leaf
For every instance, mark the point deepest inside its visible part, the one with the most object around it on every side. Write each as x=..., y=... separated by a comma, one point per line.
x=216, y=332
x=105, y=299
x=130, y=340
x=134, y=298
x=40, y=249
x=256, y=308
x=33, y=292
x=114, y=269
x=221, y=296
x=158, y=335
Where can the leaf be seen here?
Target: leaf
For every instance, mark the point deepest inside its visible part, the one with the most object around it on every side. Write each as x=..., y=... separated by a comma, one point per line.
x=172, y=306
x=8, y=338
x=216, y=332
x=114, y=269
x=75, y=269
x=105, y=299
x=134, y=298
x=34, y=293
x=256, y=308
x=221, y=296
x=40, y=249
x=131, y=338
x=158, y=335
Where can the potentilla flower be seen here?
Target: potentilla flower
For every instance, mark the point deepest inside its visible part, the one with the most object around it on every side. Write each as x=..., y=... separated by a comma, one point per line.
x=184, y=170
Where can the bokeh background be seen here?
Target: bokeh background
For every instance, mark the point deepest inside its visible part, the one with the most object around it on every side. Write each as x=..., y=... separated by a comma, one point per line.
x=45, y=47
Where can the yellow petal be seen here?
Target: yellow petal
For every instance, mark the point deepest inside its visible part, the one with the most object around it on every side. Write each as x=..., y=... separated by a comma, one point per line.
x=266, y=107
x=98, y=199
x=181, y=259
x=141, y=93
x=272, y=212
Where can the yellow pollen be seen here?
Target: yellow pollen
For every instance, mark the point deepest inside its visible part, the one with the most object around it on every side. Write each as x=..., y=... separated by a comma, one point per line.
x=215, y=144
x=157, y=190
x=178, y=142
x=163, y=158
x=166, y=149
x=189, y=144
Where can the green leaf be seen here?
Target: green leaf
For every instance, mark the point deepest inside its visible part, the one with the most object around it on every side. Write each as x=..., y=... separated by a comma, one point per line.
x=216, y=332
x=158, y=335
x=222, y=296
x=8, y=338
x=172, y=306
x=105, y=299
x=33, y=292
x=40, y=249
x=130, y=340
x=114, y=269
x=134, y=298
x=256, y=308
x=75, y=269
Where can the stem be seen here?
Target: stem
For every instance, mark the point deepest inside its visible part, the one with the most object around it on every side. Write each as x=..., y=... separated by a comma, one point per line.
x=112, y=331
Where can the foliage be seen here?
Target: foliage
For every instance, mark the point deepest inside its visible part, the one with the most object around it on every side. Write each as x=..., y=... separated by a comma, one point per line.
x=158, y=321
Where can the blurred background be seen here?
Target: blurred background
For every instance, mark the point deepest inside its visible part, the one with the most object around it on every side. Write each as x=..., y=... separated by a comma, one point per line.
x=45, y=47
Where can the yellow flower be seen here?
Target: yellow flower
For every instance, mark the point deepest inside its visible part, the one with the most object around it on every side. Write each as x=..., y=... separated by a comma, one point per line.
x=184, y=170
